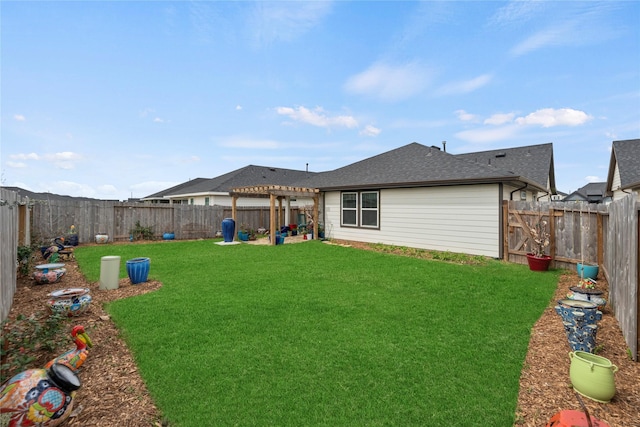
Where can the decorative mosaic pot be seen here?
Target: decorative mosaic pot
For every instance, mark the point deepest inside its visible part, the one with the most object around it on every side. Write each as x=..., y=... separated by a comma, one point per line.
x=71, y=302
x=592, y=376
x=102, y=238
x=39, y=397
x=579, y=320
x=49, y=276
x=138, y=269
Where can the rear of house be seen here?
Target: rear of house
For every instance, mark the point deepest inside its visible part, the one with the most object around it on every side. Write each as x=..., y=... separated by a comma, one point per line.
x=422, y=197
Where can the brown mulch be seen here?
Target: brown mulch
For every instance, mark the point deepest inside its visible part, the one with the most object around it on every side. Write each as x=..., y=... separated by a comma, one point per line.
x=113, y=393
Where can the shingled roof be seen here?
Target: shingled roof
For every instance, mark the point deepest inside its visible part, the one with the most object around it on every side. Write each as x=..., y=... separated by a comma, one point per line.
x=419, y=165
x=627, y=155
x=248, y=175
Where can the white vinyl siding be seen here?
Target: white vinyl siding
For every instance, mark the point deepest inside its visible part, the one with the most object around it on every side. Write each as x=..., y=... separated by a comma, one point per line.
x=616, y=184
x=463, y=219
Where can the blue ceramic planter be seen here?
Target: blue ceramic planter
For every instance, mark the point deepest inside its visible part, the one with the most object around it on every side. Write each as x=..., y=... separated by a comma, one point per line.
x=138, y=270
x=168, y=236
x=586, y=271
x=228, y=229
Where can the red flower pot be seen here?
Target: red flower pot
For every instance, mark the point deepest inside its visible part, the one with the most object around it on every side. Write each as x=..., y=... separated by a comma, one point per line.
x=538, y=263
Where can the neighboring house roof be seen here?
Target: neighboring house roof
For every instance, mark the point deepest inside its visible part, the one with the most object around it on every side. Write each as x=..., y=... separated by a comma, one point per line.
x=419, y=165
x=246, y=176
x=45, y=196
x=593, y=192
x=626, y=154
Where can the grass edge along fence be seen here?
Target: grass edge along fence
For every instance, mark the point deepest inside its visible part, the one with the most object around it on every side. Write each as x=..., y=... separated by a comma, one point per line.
x=316, y=334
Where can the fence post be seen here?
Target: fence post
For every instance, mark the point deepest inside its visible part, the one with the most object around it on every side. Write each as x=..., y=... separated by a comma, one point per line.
x=600, y=239
x=505, y=230
x=552, y=232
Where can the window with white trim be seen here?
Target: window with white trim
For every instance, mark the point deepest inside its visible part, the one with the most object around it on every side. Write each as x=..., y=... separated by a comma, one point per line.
x=350, y=209
x=369, y=209
x=360, y=209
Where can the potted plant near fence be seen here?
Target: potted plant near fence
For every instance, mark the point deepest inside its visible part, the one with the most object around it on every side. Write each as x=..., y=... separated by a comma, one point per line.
x=538, y=260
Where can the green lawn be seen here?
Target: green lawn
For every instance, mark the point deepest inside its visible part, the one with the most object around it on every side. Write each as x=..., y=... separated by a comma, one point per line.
x=313, y=334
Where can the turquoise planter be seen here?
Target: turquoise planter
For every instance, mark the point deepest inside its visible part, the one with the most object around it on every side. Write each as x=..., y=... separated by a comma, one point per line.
x=138, y=270
x=586, y=271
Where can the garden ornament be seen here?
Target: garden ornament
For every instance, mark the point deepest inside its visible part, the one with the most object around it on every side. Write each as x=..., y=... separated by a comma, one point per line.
x=75, y=357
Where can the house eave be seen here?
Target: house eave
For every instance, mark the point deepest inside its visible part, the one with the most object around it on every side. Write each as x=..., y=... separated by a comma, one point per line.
x=441, y=183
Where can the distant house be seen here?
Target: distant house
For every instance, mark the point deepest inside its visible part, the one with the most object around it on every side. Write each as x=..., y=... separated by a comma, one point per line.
x=593, y=192
x=422, y=197
x=215, y=191
x=624, y=168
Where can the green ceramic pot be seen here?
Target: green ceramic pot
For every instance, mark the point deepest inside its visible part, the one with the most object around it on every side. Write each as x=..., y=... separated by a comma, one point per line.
x=592, y=376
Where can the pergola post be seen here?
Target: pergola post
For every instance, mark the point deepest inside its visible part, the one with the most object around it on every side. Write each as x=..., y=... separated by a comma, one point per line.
x=279, y=213
x=272, y=219
x=234, y=211
x=315, y=217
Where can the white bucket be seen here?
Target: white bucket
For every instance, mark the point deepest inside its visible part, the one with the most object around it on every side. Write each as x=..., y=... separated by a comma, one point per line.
x=109, y=272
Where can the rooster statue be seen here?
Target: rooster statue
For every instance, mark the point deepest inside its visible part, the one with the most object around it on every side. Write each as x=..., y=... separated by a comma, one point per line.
x=75, y=357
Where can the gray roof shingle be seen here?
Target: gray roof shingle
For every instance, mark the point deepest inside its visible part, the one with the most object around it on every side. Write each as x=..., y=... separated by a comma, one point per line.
x=416, y=164
x=246, y=176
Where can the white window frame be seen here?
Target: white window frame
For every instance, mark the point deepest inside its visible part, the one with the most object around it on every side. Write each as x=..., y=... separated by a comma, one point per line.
x=342, y=208
x=359, y=210
x=364, y=209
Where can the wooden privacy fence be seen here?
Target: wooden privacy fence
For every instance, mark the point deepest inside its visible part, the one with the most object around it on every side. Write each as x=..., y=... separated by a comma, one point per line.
x=119, y=220
x=10, y=207
x=603, y=235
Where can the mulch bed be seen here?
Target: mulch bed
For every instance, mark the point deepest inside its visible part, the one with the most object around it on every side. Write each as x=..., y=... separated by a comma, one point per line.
x=113, y=393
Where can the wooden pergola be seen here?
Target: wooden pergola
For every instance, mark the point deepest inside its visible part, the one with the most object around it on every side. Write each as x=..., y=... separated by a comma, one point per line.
x=279, y=193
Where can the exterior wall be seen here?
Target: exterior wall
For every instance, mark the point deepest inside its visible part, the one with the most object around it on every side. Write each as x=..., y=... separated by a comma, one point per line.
x=220, y=200
x=618, y=194
x=506, y=194
x=463, y=219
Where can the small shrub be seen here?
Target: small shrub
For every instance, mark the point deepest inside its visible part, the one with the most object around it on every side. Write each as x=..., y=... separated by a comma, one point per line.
x=24, y=338
x=25, y=259
x=142, y=233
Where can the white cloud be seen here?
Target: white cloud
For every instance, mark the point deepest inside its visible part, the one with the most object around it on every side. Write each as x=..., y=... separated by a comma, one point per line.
x=488, y=135
x=593, y=178
x=549, y=117
x=285, y=21
x=370, y=130
x=516, y=12
x=390, y=82
x=107, y=189
x=158, y=120
x=147, y=188
x=500, y=119
x=16, y=165
x=466, y=86
x=317, y=117
x=22, y=156
x=63, y=156
x=238, y=107
x=466, y=117
x=548, y=37
x=19, y=118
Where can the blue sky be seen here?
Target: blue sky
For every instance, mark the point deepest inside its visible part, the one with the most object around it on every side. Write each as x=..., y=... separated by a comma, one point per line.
x=122, y=99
